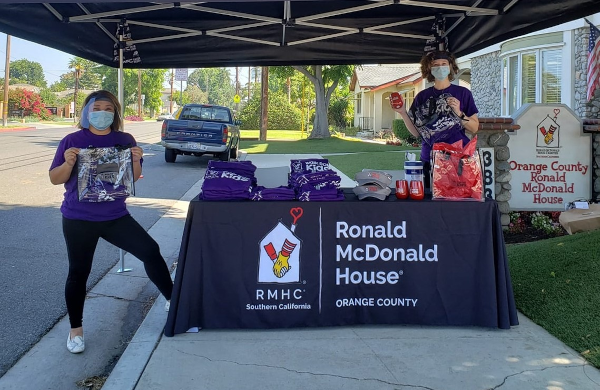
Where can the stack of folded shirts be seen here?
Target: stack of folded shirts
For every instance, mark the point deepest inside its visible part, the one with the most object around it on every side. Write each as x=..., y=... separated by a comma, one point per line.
x=372, y=184
x=314, y=180
x=228, y=180
x=278, y=193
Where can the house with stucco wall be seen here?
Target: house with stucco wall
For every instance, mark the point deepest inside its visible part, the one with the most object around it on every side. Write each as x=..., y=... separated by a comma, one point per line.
x=372, y=86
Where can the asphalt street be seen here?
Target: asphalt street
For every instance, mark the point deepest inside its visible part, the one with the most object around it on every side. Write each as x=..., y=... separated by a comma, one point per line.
x=33, y=260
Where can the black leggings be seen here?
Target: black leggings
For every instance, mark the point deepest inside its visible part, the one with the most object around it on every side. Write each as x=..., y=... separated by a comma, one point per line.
x=125, y=233
x=427, y=175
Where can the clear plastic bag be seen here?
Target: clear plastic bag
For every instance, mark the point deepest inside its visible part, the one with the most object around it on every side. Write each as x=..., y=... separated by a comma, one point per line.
x=457, y=173
x=104, y=174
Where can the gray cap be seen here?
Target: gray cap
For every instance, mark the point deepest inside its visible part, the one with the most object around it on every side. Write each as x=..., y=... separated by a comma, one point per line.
x=378, y=177
x=372, y=191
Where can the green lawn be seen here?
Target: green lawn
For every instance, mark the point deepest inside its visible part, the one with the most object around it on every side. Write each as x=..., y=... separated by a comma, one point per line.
x=557, y=285
x=556, y=281
x=362, y=154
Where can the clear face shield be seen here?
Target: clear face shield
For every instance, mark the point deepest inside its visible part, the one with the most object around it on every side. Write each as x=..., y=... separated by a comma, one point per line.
x=89, y=109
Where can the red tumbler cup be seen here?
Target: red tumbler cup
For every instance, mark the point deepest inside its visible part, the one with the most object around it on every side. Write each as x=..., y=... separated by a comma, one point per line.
x=416, y=190
x=396, y=100
x=401, y=189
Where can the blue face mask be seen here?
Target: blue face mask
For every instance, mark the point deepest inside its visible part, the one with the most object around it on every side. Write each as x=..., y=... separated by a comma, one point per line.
x=440, y=72
x=101, y=120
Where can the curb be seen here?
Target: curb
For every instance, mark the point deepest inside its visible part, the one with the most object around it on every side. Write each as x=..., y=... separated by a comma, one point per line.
x=11, y=129
x=132, y=363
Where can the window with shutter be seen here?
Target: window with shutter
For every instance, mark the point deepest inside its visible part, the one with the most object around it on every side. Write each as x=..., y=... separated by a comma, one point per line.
x=551, y=72
x=531, y=77
x=528, y=78
x=504, y=92
x=513, y=84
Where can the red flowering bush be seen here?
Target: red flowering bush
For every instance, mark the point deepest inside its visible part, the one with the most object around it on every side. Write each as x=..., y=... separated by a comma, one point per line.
x=28, y=101
x=134, y=118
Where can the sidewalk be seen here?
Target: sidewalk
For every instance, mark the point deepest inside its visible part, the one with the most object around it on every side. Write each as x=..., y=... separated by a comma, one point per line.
x=352, y=357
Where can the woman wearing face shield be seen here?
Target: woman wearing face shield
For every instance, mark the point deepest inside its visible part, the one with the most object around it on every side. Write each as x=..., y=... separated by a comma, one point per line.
x=443, y=112
x=84, y=223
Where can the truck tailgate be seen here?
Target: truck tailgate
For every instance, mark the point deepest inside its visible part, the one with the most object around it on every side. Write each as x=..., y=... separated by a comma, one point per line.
x=194, y=131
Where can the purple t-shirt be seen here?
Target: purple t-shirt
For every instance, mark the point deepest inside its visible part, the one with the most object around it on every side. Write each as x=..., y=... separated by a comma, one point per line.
x=434, y=119
x=71, y=207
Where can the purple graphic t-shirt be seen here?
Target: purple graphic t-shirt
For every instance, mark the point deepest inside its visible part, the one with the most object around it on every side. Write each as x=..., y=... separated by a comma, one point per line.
x=71, y=207
x=434, y=119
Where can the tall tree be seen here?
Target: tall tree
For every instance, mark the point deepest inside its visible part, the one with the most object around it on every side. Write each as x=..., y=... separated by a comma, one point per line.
x=59, y=86
x=29, y=72
x=48, y=97
x=195, y=94
x=152, y=86
x=110, y=83
x=216, y=82
x=264, y=103
x=89, y=76
x=182, y=98
x=325, y=79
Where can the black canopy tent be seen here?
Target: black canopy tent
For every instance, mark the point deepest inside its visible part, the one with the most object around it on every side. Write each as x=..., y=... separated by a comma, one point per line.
x=259, y=32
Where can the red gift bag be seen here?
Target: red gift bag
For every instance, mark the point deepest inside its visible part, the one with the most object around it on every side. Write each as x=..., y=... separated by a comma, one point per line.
x=456, y=171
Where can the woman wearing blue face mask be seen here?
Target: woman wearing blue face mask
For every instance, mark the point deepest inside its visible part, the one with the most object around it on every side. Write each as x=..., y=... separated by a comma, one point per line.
x=443, y=112
x=84, y=223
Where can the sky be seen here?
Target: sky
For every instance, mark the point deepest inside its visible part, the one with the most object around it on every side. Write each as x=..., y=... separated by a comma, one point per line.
x=55, y=63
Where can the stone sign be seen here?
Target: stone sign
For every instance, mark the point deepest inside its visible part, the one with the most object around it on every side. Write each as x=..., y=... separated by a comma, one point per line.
x=550, y=158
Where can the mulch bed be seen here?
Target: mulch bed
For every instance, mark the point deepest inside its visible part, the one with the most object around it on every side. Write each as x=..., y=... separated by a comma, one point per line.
x=530, y=234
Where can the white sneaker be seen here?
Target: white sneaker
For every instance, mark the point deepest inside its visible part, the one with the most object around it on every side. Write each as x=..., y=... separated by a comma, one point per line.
x=75, y=344
x=167, y=305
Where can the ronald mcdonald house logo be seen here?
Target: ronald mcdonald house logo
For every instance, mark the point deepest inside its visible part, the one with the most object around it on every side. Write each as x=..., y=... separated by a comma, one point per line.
x=548, y=131
x=279, y=263
x=279, y=260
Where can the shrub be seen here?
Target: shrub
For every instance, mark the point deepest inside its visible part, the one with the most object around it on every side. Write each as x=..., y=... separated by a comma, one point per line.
x=337, y=113
x=401, y=131
x=351, y=131
x=134, y=118
x=281, y=116
x=544, y=223
x=28, y=101
x=129, y=112
x=517, y=223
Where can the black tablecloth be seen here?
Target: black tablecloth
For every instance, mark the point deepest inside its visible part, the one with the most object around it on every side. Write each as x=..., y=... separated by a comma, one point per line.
x=351, y=262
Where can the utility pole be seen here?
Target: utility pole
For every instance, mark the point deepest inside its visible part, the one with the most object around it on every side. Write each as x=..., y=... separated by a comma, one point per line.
x=77, y=69
x=140, y=93
x=6, y=73
x=237, y=80
x=237, y=86
x=249, y=84
x=264, y=103
x=171, y=107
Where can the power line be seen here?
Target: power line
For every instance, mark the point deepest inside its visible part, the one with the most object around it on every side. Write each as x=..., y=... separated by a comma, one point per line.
x=12, y=58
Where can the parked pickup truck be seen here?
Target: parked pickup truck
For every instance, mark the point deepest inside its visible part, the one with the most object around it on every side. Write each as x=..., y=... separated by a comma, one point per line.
x=201, y=129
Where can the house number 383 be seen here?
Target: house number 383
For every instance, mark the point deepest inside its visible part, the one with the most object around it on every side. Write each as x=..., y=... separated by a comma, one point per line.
x=489, y=185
